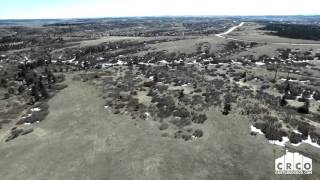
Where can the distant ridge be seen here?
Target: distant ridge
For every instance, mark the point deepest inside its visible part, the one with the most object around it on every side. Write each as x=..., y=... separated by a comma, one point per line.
x=292, y=18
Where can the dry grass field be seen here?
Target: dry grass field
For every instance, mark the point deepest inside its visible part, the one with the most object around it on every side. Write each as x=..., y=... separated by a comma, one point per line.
x=82, y=140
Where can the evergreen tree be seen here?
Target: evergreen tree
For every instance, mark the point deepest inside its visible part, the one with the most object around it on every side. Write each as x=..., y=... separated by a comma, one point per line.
x=35, y=93
x=43, y=90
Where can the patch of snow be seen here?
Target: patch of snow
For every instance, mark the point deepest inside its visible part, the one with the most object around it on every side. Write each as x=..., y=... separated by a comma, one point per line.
x=260, y=63
x=303, y=61
x=28, y=115
x=100, y=58
x=223, y=63
x=148, y=63
x=178, y=61
x=27, y=124
x=120, y=62
x=312, y=96
x=147, y=114
x=298, y=97
x=285, y=139
x=309, y=141
x=280, y=143
x=193, y=137
x=71, y=60
x=290, y=80
x=296, y=145
x=296, y=131
x=104, y=65
x=164, y=62
x=305, y=81
x=235, y=62
x=35, y=109
x=256, y=130
x=194, y=62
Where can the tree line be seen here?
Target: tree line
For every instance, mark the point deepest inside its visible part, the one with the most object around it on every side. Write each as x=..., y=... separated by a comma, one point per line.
x=296, y=31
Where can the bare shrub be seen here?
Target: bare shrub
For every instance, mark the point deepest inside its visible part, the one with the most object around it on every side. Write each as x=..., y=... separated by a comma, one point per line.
x=27, y=131
x=304, y=128
x=182, y=135
x=295, y=138
x=304, y=109
x=181, y=112
x=198, y=133
x=181, y=122
x=163, y=126
x=15, y=132
x=199, y=119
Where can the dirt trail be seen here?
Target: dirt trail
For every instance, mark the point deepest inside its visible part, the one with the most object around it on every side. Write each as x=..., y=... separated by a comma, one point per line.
x=81, y=140
x=221, y=35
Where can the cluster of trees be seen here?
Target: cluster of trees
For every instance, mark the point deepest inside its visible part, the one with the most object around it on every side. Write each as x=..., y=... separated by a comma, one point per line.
x=127, y=46
x=11, y=42
x=227, y=104
x=291, y=92
x=11, y=46
x=296, y=31
x=9, y=39
x=238, y=45
x=39, y=81
x=36, y=81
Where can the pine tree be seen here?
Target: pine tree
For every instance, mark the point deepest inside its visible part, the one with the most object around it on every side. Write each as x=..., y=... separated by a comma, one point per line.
x=43, y=90
x=35, y=93
x=283, y=101
x=3, y=83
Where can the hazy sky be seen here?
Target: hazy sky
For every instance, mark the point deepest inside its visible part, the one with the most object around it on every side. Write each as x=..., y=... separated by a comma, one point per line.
x=30, y=9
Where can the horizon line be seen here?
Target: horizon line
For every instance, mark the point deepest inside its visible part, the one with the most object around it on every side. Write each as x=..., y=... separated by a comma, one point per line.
x=148, y=16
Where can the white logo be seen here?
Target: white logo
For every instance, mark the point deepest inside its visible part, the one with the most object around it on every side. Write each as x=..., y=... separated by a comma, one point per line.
x=293, y=163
